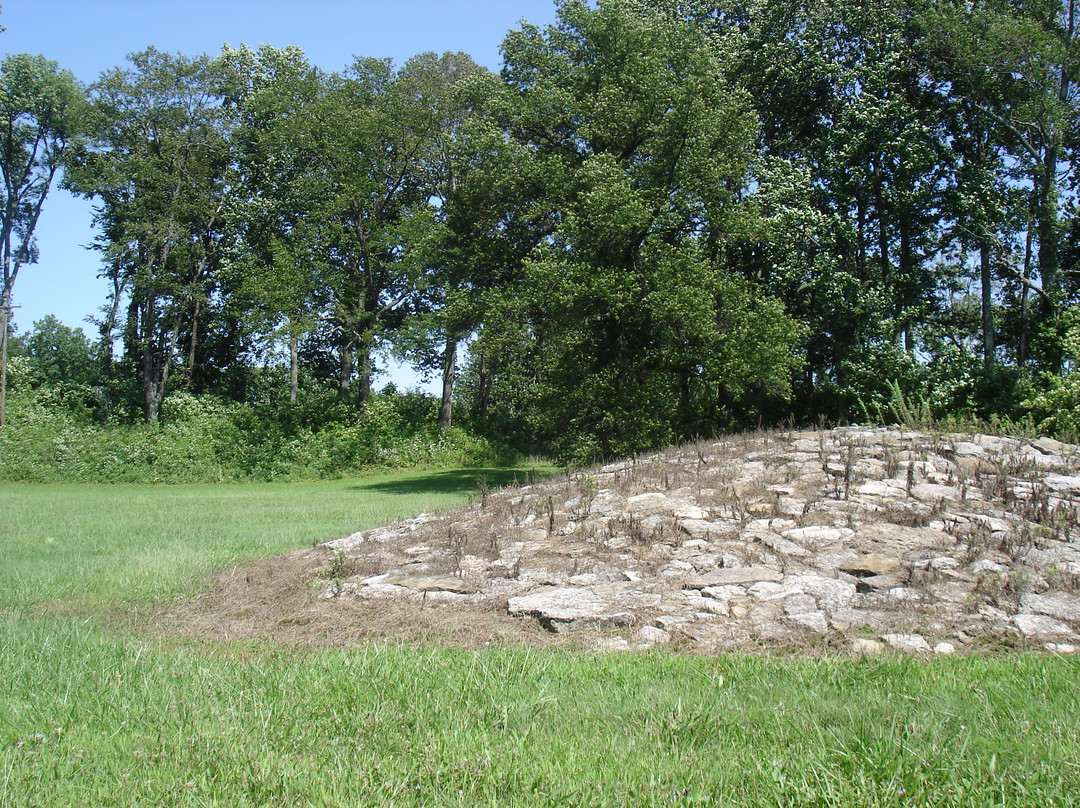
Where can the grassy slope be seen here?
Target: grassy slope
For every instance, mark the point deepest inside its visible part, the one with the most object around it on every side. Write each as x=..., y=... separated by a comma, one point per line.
x=92, y=717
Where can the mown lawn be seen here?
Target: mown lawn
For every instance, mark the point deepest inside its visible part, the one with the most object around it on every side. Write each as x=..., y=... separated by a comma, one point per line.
x=91, y=715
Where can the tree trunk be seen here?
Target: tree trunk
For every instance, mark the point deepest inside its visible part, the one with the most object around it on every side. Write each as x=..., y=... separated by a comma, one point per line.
x=1047, y=224
x=294, y=365
x=346, y=369
x=903, y=293
x=449, y=362
x=363, y=380
x=4, y=311
x=1025, y=306
x=109, y=326
x=157, y=360
x=483, y=393
x=191, y=348
x=987, y=302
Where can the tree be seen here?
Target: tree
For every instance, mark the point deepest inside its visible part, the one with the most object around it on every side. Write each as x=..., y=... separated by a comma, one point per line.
x=41, y=115
x=279, y=266
x=860, y=127
x=159, y=171
x=454, y=100
x=357, y=147
x=59, y=354
x=1011, y=66
x=639, y=334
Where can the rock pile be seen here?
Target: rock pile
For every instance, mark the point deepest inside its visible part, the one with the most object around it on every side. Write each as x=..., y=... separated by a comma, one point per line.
x=857, y=538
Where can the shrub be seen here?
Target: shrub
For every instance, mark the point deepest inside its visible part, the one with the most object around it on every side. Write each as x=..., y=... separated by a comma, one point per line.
x=207, y=439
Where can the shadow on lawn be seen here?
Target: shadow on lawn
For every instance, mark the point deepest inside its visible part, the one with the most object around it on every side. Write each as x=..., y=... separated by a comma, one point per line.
x=455, y=481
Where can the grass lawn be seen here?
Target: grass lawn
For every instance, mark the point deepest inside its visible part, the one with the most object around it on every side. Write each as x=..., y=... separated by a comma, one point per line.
x=91, y=715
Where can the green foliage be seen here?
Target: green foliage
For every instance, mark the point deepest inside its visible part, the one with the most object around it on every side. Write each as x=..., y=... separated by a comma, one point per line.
x=635, y=333
x=51, y=437
x=41, y=119
x=662, y=219
x=392, y=726
x=57, y=354
x=1056, y=408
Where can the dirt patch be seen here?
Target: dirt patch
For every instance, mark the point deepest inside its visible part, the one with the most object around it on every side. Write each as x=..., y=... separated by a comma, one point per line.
x=278, y=599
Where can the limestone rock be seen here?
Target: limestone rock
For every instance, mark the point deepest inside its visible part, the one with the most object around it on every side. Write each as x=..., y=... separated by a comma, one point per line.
x=1063, y=607
x=571, y=604
x=742, y=575
x=662, y=545
x=908, y=643
x=864, y=645
x=871, y=564
x=1038, y=625
x=432, y=583
x=651, y=635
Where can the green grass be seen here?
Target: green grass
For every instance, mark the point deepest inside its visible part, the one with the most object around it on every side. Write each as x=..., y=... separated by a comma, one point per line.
x=90, y=715
x=128, y=543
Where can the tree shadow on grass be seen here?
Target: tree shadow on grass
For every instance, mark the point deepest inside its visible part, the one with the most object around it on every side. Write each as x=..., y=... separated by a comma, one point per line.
x=455, y=481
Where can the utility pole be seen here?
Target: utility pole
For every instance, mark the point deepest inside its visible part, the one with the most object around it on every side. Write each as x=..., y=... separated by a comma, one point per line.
x=5, y=313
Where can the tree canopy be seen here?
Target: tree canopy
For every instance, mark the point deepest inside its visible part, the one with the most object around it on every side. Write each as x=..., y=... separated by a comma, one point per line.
x=661, y=219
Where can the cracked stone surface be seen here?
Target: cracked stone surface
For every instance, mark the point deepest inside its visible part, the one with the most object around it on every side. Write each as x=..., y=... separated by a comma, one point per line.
x=864, y=539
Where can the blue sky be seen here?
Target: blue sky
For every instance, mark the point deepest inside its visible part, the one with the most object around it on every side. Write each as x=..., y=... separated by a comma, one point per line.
x=90, y=36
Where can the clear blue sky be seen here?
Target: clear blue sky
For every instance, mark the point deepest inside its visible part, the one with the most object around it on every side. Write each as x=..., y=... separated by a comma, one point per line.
x=90, y=36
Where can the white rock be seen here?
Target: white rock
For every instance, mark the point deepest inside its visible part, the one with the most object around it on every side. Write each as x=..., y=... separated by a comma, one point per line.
x=1049, y=445
x=720, y=607
x=814, y=621
x=818, y=534
x=690, y=512
x=650, y=500
x=747, y=575
x=933, y=492
x=1063, y=607
x=799, y=604
x=585, y=579
x=1039, y=625
x=566, y=604
x=995, y=524
x=831, y=593
x=766, y=590
x=1061, y=647
x=650, y=635
x=732, y=561
x=985, y=565
x=944, y=648
x=696, y=544
x=1063, y=482
x=905, y=593
x=864, y=645
x=670, y=622
x=908, y=643
x=878, y=488
x=724, y=592
x=943, y=563
x=783, y=546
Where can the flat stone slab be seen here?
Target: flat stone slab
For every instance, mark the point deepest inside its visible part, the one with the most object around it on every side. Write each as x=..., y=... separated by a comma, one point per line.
x=728, y=577
x=573, y=603
x=871, y=564
x=432, y=583
x=1039, y=625
x=1063, y=607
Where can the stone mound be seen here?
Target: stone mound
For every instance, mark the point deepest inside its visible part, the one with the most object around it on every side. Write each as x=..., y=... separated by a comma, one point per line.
x=855, y=538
